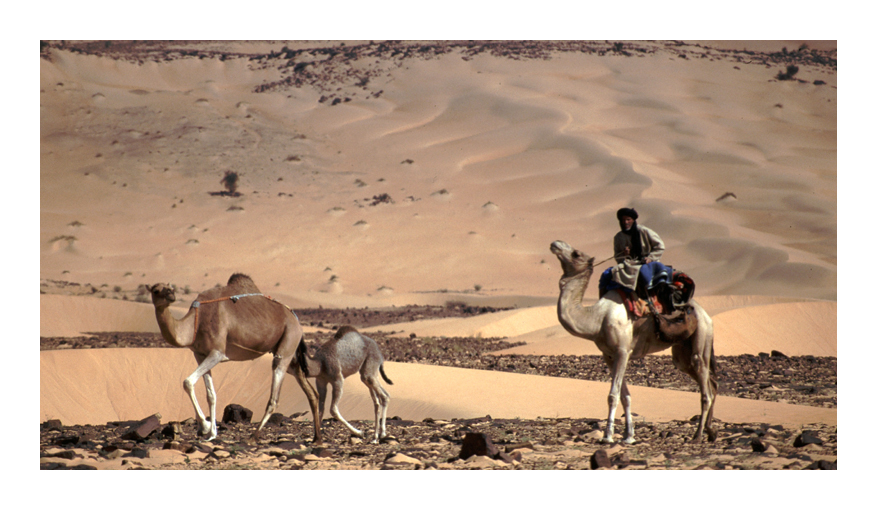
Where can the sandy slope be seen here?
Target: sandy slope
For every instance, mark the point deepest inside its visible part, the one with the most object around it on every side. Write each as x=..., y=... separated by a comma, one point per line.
x=487, y=160
x=92, y=387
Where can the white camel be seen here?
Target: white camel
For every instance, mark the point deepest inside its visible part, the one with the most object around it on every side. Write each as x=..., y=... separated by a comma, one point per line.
x=609, y=326
x=348, y=352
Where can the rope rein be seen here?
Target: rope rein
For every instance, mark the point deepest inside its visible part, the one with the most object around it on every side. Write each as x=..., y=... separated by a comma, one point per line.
x=234, y=299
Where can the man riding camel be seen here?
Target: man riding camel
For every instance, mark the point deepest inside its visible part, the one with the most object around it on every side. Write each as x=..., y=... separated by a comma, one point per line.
x=638, y=251
x=633, y=246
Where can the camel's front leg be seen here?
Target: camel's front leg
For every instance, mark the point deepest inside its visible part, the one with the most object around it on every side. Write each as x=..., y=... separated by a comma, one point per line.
x=337, y=390
x=617, y=367
x=205, y=364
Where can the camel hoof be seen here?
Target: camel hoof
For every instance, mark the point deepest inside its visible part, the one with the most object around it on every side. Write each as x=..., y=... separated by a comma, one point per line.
x=607, y=440
x=629, y=440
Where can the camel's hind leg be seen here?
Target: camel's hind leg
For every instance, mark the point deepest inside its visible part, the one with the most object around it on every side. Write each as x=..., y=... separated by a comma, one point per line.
x=381, y=399
x=205, y=364
x=702, y=369
x=279, y=367
x=628, y=415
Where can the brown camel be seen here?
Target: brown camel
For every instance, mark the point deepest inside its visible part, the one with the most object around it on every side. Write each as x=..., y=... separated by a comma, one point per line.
x=236, y=323
x=608, y=325
x=347, y=353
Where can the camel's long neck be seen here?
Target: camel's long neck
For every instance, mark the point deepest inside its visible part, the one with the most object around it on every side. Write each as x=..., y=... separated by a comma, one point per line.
x=576, y=318
x=176, y=333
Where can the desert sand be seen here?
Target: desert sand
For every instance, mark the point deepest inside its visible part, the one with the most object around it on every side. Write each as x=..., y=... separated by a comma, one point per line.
x=434, y=178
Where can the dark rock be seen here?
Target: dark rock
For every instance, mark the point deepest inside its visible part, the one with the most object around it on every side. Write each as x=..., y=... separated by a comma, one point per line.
x=600, y=459
x=777, y=354
x=621, y=460
x=824, y=465
x=140, y=453
x=143, y=428
x=198, y=447
x=758, y=446
x=83, y=467
x=276, y=419
x=477, y=443
x=235, y=413
x=66, y=454
x=323, y=453
x=52, y=425
x=172, y=431
x=805, y=438
x=290, y=445
x=67, y=440
x=178, y=446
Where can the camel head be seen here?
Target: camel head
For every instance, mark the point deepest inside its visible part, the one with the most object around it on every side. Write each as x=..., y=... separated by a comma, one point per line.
x=573, y=262
x=162, y=295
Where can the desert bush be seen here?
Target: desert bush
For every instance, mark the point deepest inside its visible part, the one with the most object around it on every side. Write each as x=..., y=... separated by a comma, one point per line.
x=791, y=71
x=230, y=181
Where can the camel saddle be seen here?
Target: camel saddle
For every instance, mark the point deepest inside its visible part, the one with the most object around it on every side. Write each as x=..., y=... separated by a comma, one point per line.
x=667, y=305
x=676, y=327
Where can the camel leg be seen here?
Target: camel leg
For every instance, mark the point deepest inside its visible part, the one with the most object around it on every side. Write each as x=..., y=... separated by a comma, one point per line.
x=311, y=395
x=699, y=369
x=205, y=364
x=279, y=367
x=337, y=391
x=628, y=416
x=707, y=397
x=380, y=399
x=322, y=390
x=617, y=367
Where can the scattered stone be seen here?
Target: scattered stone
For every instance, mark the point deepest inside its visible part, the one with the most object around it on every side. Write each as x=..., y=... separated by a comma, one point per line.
x=143, y=428
x=621, y=460
x=600, y=459
x=758, y=446
x=400, y=459
x=65, y=454
x=52, y=425
x=806, y=438
x=172, y=431
x=477, y=443
x=140, y=453
x=823, y=464
x=276, y=419
x=235, y=413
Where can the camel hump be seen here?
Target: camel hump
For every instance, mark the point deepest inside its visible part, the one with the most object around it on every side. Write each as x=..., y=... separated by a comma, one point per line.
x=242, y=282
x=343, y=330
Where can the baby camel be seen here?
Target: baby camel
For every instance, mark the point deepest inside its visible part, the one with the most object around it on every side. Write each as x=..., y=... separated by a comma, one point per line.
x=349, y=352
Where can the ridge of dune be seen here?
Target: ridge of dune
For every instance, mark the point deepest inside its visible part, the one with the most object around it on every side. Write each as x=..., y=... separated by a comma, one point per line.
x=89, y=387
x=554, y=145
x=743, y=325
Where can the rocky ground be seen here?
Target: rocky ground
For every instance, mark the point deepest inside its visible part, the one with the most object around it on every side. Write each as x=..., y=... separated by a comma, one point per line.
x=481, y=443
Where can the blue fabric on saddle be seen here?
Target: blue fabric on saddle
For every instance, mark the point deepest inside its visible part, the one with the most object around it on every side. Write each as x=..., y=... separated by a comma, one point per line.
x=653, y=273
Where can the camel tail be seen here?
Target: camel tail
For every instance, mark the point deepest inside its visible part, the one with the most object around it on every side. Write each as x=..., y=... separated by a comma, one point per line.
x=302, y=354
x=384, y=375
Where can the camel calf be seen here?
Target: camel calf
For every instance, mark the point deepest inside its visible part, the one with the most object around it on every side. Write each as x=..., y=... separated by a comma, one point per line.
x=349, y=352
